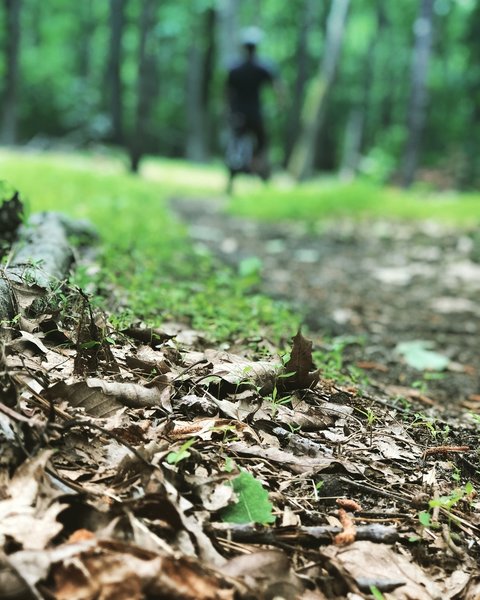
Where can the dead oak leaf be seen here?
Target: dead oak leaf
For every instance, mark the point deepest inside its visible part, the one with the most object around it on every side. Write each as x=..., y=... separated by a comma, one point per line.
x=300, y=365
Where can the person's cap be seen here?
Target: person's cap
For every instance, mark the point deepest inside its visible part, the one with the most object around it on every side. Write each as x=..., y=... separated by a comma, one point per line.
x=251, y=36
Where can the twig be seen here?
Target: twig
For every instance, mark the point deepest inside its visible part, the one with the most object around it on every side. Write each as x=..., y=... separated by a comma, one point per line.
x=307, y=536
x=445, y=450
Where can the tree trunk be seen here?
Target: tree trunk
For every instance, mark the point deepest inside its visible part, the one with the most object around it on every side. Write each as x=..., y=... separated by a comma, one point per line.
x=228, y=27
x=313, y=117
x=85, y=34
x=201, y=57
x=355, y=129
x=115, y=88
x=145, y=82
x=418, y=93
x=8, y=131
x=469, y=176
x=301, y=61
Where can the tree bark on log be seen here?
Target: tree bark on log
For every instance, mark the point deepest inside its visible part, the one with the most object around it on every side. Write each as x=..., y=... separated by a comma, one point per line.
x=40, y=259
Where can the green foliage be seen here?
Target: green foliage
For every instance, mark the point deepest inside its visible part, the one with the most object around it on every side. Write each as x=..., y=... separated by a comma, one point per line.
x=376, y=593
x=252, y=506
x=446, y=504
x=361, y=199
x=331, y=361
x=148, y=266
x=174, y=457
x=65, y=87
x=418, y=354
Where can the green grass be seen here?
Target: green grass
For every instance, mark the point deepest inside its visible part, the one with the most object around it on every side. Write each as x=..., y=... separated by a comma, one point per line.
x=149, y=270
x=153, y=271
x=361, y=199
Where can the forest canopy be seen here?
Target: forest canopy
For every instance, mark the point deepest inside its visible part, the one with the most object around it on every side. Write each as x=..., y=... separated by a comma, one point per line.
x=387, y=89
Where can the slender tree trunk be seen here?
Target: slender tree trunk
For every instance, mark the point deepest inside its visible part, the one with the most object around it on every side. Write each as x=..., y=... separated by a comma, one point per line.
x=313, y=116
x=8, y=131
x=201, y=56
x=115, y=91
x=469, y=176
x=145, y=82
x=84, y=48
x=355, y=129
x=228, y=27
x=301, y=61
x=418, y=93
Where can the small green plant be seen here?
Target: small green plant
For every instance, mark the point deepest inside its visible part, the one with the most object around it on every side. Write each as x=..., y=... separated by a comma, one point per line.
x=276, y=400
x=475, y=418
x=252, y=505
x=376, y=593
x=456, y=475
x=446, y=504
x=176, y=456
x=429, y=423
x=331, y=361
x=371, y=418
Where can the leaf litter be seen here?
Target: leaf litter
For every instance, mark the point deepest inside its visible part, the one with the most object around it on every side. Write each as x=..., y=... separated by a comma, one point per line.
x=179, y=471
x=145, y=464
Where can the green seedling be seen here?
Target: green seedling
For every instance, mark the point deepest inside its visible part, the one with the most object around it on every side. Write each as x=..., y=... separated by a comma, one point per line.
x=332, y=361
x=174, y=457
x=421, y=420
x=475, y=418
x=446, y=504
x=371, y=418
x=376, y=593
x=275, y=400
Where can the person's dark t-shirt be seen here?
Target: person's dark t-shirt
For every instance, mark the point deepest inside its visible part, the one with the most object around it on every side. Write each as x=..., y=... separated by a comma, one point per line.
x=245, y=80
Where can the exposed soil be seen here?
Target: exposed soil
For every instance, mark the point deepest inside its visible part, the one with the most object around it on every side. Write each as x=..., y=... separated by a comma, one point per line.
x=385, y=282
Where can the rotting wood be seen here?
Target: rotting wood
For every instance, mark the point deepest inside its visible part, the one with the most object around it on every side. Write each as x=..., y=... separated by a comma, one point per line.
x=40, y=259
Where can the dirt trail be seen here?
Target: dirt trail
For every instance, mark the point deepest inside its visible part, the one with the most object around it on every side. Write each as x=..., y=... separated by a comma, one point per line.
x=390, y=282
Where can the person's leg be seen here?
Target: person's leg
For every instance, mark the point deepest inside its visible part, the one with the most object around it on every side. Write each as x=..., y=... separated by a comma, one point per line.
x=233, y=157
x=260, y=159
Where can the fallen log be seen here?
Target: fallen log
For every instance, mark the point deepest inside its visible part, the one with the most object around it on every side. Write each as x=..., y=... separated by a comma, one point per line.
x=39, y=261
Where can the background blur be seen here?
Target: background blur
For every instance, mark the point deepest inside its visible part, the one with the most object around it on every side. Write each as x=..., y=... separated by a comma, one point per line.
x=389, y=89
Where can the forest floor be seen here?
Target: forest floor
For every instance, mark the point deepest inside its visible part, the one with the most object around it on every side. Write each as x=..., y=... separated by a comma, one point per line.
x=154, y=463
x=364, y=289
x=373, y=285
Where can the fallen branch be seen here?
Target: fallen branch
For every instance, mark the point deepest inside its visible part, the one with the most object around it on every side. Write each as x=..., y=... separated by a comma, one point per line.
x=40, y=259
x=306, y=536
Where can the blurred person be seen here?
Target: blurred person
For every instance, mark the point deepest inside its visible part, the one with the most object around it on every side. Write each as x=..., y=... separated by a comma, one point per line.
x=247, y=150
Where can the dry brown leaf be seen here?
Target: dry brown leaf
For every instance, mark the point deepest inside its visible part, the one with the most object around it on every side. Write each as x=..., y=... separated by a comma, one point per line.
x=101, y=398
x=28, y=340
x=301, y=365
x=148, y=360
x=115, y=570
x=379, y=564
x=21, y=519
x=147, y=335
x=237, y=370
x=297, y=464
x=268, y=571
